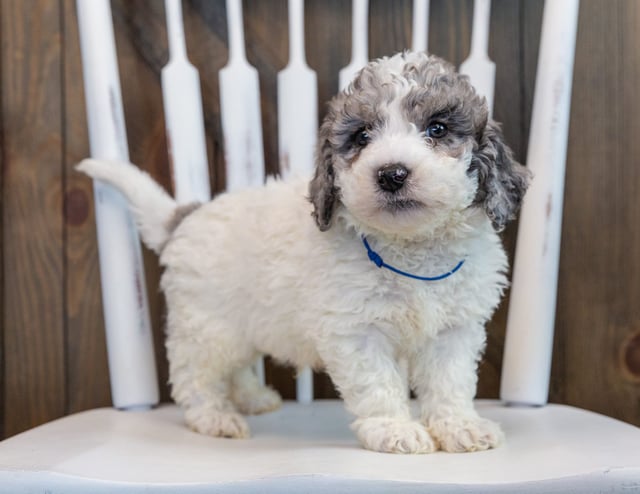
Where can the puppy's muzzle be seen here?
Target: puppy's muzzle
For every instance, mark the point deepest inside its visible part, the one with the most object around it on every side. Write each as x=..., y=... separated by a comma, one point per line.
x=392, y=177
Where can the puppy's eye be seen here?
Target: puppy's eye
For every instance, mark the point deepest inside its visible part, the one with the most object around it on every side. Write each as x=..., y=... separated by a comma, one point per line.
x=436, y=130
x=361, y=138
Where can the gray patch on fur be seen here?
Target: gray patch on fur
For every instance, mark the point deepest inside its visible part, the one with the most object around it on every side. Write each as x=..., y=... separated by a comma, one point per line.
x=180, y=214
x=437, y=93
x=502, y=181
x=356, y=108
x=442, y=95
x=323, y=193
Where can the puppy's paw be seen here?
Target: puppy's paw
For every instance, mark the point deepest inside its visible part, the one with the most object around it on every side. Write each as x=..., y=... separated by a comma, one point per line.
x=217, y=424
x=388, y=435
x=462, y=434
x=261, y=400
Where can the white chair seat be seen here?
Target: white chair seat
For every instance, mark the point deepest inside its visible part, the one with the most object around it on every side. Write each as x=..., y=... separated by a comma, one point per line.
x=309, y=448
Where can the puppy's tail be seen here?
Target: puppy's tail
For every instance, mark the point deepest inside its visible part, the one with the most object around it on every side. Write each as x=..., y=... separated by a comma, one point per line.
x=154, y=210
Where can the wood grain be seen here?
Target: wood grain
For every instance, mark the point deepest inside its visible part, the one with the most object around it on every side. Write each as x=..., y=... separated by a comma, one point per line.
x=33, y=318
x=86, y=356
x=599, y=284
x=450, y=29
x=52, y=347
x=505, y=47
x=328, y=44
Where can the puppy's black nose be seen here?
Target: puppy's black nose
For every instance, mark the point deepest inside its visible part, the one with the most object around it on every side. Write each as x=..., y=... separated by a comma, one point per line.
x=392, y=177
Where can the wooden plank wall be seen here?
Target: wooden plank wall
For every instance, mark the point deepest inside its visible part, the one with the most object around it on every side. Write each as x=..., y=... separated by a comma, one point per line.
x=52, y=346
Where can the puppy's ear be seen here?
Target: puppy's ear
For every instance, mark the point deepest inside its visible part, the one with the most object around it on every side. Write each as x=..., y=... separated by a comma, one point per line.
x=323, y=192
x=502, y=181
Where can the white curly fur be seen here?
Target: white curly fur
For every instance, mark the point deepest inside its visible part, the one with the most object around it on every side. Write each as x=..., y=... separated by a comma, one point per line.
x=250, y=273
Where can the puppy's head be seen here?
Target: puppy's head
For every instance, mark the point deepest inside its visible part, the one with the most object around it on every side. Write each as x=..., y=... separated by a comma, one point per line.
x=408, y=146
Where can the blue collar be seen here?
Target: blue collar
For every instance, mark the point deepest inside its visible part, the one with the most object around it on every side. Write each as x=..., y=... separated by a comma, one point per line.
x=377, y=260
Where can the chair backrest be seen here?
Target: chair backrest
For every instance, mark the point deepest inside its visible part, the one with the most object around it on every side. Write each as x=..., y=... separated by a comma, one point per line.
x=524, y=380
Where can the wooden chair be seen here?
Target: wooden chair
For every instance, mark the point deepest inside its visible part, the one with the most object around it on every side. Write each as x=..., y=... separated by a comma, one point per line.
x=307, y=445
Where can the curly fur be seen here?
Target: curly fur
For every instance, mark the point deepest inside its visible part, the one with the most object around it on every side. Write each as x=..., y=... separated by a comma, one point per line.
x=252, y=273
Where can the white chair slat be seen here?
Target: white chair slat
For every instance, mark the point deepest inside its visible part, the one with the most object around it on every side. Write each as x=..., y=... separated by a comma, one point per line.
x=134, y=381
x=240, y=109
x=480, y=69
x=184, y=118
x=420, y=27
x=359, y=43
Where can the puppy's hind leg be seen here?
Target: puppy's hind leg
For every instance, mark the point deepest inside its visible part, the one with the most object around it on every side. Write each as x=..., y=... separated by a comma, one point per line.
x=250, y=396
x=200, y=374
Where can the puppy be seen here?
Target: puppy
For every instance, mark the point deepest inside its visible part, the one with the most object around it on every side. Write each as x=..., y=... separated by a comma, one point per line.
x=388, y=258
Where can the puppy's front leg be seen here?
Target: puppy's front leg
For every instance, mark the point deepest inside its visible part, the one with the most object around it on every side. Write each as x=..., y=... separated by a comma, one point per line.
x=444, y=376
x=370, y=381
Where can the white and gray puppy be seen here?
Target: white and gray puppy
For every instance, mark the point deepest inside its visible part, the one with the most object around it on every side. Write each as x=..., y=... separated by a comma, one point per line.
x=408, y=162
